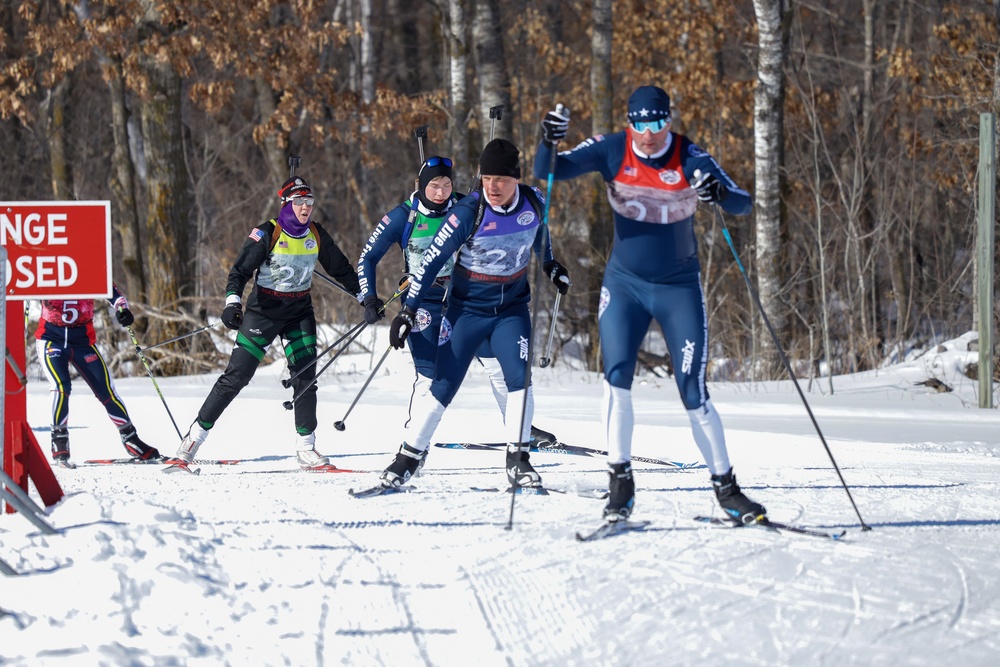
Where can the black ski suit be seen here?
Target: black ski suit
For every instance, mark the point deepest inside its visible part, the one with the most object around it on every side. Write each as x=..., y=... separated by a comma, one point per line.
x=279, y=304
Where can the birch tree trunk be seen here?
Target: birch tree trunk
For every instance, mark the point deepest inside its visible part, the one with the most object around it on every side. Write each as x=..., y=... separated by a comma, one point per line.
x=458, y=118
x=494, y=84
x=125, y=209
x=602, y=219
x=773, y=22
x=367, y=98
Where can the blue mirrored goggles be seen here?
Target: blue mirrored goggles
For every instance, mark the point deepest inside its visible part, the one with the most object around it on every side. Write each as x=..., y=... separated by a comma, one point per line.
x=641, y=126
x=303, y=201
x=435, y=161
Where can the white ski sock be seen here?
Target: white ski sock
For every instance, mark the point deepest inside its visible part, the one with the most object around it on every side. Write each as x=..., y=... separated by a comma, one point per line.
x=619, y=422
x=497, y=383
x=706, y=425
x=516, y=429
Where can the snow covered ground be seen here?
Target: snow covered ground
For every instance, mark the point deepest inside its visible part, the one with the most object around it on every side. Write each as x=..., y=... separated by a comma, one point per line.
x=260, y=564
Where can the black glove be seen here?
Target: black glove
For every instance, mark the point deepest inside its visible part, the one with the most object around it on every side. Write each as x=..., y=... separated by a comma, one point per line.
x=232, y=316
x=401, y=327
x=554, y=127
x=709, y=188
x=374, y=309
x=125, y=317
x=558, y=274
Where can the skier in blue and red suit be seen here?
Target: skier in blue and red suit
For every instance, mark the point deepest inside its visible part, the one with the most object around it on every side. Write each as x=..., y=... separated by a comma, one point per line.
x=490, y=235
x=66, y=337
x=655, y=179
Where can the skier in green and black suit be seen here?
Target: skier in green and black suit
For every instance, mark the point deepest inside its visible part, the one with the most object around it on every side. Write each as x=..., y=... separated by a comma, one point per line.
x=282, y=253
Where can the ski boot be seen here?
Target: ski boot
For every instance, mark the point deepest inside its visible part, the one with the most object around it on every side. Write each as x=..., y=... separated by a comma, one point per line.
x=306, y=453
x=60, y=447
x=733, y=502
x=621, y=492
x=134, y=445
x=403, y=467
x=520, y=472
x=542, y=439
x=190, y=444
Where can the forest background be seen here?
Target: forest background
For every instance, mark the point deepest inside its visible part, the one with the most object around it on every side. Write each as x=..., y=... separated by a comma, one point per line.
x=853, y=123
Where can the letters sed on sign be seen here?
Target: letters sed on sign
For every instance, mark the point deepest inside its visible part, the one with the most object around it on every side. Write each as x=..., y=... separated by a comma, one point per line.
x=56, y=249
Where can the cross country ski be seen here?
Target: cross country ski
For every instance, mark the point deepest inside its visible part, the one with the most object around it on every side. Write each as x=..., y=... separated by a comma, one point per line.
x=562, y=448
x=773, y=526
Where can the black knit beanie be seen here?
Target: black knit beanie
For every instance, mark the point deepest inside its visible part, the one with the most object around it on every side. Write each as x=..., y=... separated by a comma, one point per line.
x=500, y=158
x=432, y=168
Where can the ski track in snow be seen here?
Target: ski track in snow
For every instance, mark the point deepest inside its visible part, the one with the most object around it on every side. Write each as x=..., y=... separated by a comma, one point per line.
x=239, y=566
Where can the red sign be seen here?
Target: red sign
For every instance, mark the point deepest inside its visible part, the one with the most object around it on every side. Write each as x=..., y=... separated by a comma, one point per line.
x=57, y=249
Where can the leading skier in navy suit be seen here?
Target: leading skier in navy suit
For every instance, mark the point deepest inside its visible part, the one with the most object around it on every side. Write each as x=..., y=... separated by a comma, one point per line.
x=655, y=179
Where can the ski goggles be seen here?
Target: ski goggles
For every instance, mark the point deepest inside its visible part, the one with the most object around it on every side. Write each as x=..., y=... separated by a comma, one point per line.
x=303, y=201
x=654, y=126
x=435, y=161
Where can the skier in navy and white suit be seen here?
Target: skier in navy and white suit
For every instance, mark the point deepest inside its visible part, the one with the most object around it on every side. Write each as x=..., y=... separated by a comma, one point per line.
x=655, y=179
x=494, y=234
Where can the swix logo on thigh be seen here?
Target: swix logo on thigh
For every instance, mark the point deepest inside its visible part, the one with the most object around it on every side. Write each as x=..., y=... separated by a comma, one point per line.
x=522, y=344
x=688, y=356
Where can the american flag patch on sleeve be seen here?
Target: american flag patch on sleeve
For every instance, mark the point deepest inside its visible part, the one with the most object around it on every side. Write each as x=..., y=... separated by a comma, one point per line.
x=630, y=171
x=256, y=234
x=453, y=219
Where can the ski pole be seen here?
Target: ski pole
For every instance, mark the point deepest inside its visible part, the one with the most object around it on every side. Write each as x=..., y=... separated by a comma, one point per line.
x=330, y=281
x=286, y=383
x=142, y=358
x=182, y=337
x=547, y=359
x=534, y=313
x=288, y=405
x=496, y=113
x=544, y=361
x=340, y=426
x=563, y=111
x=421, y=133
x=784, y=358
x=356, y=331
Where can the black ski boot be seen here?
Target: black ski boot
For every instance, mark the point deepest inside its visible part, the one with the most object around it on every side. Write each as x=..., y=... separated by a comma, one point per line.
x=403, y=467
x=60, y=446
x=733, y=502
x=540, y=438
x=520, y=472
x=134, y=445
x=621, y=492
